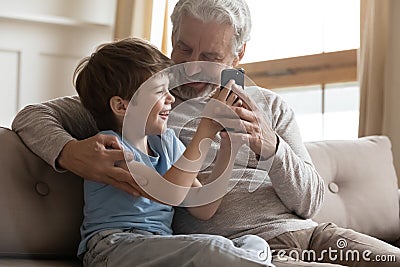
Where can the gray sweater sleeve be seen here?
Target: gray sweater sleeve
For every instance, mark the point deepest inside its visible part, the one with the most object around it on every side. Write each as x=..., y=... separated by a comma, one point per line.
x=45, y=128
x=294, y=178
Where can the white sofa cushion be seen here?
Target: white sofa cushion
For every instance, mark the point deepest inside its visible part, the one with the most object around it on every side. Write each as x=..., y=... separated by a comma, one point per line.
x=361, y=190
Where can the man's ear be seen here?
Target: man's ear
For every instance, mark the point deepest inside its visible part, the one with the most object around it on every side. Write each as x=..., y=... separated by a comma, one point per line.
x=118, y=105
x=239, y=57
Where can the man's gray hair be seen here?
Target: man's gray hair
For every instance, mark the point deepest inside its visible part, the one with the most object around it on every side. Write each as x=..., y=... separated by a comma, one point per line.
x=233, y=12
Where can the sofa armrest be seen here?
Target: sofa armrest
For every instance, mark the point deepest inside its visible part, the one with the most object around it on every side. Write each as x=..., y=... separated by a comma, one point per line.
x=41, y=209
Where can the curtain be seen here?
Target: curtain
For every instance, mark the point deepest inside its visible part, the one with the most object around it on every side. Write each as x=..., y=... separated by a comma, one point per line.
x=165, y=39
x=379, y=72
x=133, y=18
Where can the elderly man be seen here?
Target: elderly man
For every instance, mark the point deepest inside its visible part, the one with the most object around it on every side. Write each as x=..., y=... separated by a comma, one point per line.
x=278, y=210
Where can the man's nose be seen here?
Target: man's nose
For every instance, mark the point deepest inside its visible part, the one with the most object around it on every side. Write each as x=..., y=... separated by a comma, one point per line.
x=192, y=68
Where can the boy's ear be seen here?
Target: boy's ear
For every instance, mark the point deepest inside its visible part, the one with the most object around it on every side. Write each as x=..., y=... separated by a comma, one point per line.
x=118, y=105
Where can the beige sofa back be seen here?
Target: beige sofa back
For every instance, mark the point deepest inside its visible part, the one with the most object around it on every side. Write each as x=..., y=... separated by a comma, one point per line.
x=41, y=210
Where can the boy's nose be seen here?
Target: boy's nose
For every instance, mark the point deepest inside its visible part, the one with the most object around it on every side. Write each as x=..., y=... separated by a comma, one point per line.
x=170, y=98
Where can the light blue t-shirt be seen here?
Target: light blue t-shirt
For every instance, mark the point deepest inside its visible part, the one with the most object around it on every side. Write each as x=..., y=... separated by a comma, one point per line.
x=107, y=207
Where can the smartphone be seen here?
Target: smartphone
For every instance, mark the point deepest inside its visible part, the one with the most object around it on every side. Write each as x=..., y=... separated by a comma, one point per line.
x=232, y=74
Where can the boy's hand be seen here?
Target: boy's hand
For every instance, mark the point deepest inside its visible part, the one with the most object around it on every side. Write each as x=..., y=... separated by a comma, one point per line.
x=226, y=99
x=227, y=95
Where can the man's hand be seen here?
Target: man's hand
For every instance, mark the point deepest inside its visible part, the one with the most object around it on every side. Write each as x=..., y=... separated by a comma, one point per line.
x=95, y=159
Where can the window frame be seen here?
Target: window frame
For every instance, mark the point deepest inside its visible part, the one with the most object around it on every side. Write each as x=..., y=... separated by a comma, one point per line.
x=317, y=69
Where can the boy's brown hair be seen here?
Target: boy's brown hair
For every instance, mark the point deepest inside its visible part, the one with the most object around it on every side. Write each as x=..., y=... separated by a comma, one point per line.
x=115, y=69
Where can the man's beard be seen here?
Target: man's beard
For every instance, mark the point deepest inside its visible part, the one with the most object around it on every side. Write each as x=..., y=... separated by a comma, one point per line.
x=185, y=92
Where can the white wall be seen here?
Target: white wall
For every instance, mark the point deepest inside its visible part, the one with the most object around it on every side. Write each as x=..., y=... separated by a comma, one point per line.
x=41, y=42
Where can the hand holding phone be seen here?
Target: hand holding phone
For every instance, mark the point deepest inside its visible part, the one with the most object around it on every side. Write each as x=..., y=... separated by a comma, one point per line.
x=232, y=74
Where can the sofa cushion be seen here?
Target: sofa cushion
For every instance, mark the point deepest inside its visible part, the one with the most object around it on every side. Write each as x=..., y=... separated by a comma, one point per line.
x=360, y=185
x=41, y=210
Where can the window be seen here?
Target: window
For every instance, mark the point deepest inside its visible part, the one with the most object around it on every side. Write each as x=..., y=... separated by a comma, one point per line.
x=157, y=27
x=325, y=112
x=306, y=52
x=290, y=28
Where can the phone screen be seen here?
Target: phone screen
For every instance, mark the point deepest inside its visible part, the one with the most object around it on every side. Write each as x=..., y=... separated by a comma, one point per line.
x=232, y=74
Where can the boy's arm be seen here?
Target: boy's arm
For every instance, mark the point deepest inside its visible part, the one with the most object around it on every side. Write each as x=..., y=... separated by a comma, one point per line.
x=185, y=170
x=222, y=170
x=182, y=174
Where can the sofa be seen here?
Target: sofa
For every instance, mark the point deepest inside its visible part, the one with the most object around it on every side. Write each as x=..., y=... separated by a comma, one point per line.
x=41, y=210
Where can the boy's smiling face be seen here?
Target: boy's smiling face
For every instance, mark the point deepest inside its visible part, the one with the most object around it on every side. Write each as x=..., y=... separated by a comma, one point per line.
x=155, y=93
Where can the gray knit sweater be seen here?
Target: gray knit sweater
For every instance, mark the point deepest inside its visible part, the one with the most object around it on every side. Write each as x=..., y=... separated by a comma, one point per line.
x=286, y=196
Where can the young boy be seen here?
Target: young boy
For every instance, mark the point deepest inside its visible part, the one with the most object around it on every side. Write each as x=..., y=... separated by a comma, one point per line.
x=106, y=81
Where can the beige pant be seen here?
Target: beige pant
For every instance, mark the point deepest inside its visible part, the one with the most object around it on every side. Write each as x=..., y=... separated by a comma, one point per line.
x=329, y=245
x=140, y=248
